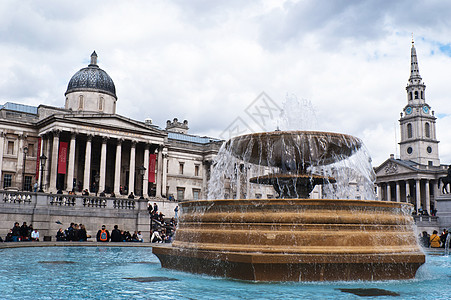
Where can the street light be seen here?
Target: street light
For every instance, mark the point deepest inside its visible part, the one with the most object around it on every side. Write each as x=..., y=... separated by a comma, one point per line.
x=142, y=171
x=42, y=159
x=25, y=152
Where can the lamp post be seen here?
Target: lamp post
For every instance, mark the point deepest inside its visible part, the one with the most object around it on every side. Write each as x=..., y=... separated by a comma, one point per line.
x=96, y=179
x=25, y=152
x=42, y=159
x=142, y=171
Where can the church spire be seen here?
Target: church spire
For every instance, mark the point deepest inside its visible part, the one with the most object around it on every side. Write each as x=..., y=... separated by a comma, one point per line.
x=93, y=59
x=415, y=77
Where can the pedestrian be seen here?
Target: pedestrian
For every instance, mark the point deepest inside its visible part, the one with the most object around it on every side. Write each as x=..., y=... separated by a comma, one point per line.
x=176, y=210
x=435, y=240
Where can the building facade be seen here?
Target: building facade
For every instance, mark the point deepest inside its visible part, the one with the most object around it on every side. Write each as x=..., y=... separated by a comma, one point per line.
x=87, y=146
x=413, y=177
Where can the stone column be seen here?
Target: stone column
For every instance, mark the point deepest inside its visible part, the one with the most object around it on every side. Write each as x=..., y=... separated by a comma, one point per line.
x=47, y=165
x=71, y=167
x=159, y=172
x=20, y=163
x=41, y=180
x=54, y=166
x=145, y=183
x=388, y=191
x=428, y=198
x=205, y=167
x=117, y=167
x=87, y=170
x=418, y=194
x=378, y=192
x=165, y=171
x=2, y=146
x=131, y=173
x=398, y=192
x=103, y=164
x=434, y=193
x=408, y=191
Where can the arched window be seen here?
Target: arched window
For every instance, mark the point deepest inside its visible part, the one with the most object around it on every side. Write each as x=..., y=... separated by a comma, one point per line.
x=410, y=96
x=416, y=94
x=409, y=130
x=422, y=95
x=427, y=130
x=80, y=102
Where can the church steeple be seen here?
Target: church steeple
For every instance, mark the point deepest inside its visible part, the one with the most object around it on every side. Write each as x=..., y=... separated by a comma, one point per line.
x=418, y=137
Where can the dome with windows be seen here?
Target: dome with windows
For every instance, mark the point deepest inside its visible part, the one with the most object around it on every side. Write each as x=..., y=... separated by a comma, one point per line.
x=92, y=78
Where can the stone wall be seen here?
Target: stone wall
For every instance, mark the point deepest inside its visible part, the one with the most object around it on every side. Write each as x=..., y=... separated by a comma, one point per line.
x=46, y=211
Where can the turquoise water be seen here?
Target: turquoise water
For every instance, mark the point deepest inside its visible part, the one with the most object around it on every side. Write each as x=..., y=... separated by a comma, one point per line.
x=102, y=272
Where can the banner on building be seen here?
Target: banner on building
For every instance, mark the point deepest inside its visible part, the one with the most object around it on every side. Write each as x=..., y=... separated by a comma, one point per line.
x=62, y=158
x=38, y=158
x=152, y=162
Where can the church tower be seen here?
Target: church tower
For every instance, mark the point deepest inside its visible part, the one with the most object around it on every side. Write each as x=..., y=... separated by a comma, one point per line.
x=418, y=136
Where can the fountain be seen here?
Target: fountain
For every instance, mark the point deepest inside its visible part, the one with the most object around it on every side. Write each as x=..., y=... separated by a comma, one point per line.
x=293, y=237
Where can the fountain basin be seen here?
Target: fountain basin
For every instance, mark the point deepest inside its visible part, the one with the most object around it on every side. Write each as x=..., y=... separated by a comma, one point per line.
x=295, y=239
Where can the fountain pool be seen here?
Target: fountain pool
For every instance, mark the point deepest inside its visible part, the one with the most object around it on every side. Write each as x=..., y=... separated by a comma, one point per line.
x=102, y=272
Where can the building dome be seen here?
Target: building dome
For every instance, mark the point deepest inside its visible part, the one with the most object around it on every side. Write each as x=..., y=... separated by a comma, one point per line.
x=92, y=78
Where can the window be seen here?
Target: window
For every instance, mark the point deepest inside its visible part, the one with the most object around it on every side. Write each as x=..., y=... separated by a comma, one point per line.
x=27, y=184
x=427, y=129
x=430, y=163
x=410, y=96
x=181, y=166
x=409, y=150
x=269, y=196
x=422, y=95
x=196, y=170
x=101, y=101
x=258, y=196
x=196, y=194
x=11, y=147
x=7, y=180
x=416, y=94
x=180, y=194
x=80, y=102
x=409, y=130
x=429, y=149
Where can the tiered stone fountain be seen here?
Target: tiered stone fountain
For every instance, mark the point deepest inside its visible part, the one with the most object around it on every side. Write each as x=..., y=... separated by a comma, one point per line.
x=294, y=238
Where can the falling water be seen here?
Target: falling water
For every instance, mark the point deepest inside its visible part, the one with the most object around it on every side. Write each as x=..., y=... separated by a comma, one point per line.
x=348, y=174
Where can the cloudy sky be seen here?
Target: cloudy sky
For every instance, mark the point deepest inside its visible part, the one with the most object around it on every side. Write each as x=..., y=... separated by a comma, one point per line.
x=209, y=61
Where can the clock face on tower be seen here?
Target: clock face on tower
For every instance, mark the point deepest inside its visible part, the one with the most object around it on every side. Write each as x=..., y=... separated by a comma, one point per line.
x=409, y=110
x=425, y=109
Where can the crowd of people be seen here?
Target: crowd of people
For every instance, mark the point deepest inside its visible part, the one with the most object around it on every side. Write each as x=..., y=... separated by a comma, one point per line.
x=435, y=240
x=75, y=232
x=162, y=230
x=22, y=233
x=103, y=235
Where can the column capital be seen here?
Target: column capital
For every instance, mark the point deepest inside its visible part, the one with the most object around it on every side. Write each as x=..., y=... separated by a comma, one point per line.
x=89, y=137
x=73, y=134
x=2, y=134
x=134, y=142
x=22, y=136
x=56, y=132
x=105, y=139
x=119, y=141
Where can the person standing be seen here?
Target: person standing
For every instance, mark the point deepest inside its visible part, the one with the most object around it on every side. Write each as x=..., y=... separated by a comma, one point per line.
x=103, y=235
x=116, y=235
x=176, y=210
x=24, y=232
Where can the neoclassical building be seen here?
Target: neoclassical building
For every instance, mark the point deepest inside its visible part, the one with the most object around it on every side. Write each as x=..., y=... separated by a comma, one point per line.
x=414, y=176
x=88, y=146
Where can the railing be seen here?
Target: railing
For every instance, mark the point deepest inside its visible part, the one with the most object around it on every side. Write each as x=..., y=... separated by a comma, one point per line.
x=426, y=219
x=94, y=202
x=60, y=200
x=16, y=197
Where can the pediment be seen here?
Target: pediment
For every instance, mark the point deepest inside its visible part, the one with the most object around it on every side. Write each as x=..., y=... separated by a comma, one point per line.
x=392, y=167
x=106, y=122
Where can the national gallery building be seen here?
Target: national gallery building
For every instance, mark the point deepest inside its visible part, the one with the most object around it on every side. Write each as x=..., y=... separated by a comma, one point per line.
x=87, y=146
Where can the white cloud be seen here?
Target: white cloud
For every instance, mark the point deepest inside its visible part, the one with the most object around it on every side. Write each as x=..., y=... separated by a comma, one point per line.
x=206, y=61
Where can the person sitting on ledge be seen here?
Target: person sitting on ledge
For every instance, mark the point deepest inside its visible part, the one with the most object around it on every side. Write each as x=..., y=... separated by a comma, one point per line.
x=35, y=235
x=59, y=192
x=435, y=240
x=156, y=238
x=60, y=235
x=116, y=235
x=131, y=196
x=112, y=195
x=102, y=194
x=103, y=235
x=85, y=192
